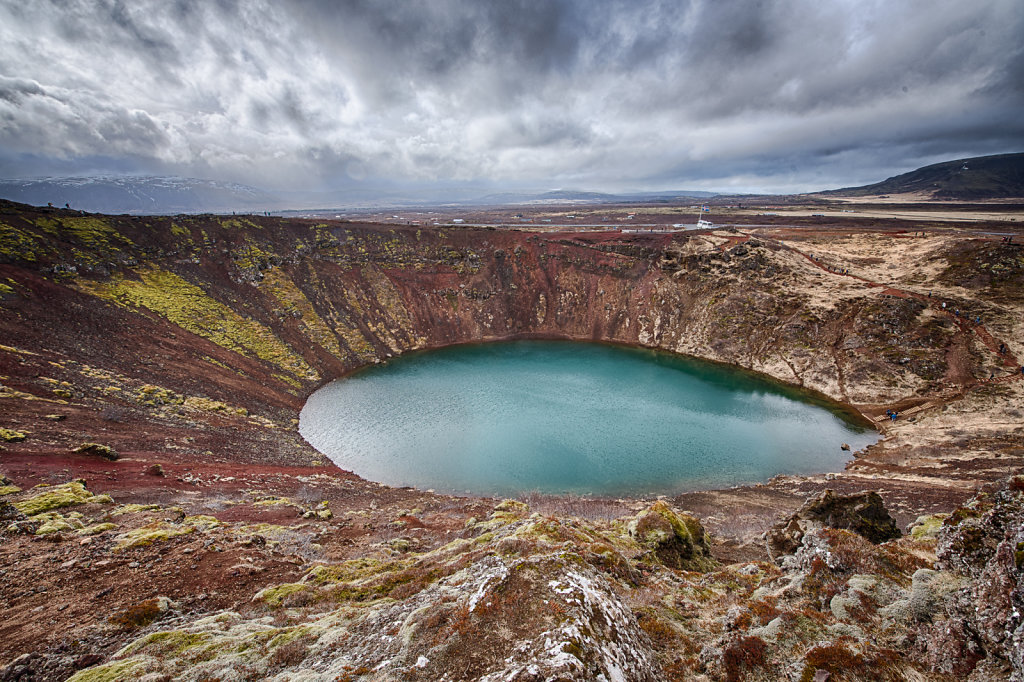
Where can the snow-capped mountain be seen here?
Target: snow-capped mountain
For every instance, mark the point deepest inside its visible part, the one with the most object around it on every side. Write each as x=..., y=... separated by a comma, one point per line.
x=139, y=194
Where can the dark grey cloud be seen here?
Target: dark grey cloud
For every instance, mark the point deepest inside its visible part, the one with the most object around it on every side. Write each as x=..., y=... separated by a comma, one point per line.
x=771, y=94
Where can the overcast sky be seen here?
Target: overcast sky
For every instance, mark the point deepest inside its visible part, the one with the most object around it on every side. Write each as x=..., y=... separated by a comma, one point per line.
x=727, y=95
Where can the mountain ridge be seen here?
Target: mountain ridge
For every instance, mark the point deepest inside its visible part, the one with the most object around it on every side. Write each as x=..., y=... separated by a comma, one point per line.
x=999, y=176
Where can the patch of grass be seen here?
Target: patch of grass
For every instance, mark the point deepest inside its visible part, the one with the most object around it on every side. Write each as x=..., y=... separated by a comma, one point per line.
x=137, y=615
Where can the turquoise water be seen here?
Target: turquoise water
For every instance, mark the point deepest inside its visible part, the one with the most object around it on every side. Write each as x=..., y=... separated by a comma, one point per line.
x=561, y=417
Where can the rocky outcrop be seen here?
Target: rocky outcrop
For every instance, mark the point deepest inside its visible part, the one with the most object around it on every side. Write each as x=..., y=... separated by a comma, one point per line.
x=982, y=544
x=678, y=540
x=864, y=514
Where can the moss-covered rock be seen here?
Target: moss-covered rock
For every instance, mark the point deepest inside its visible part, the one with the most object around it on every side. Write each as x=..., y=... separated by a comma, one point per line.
x=157, y=531
x=209, y=405
x=12, y=436
x=116, y=671
x=55, y=522
x=864, y=514
x=678, y=540
x=133, y=509
x=56, y=497
x=97, y=449
x=274, y=596
x=927, y=527
x=96, y=529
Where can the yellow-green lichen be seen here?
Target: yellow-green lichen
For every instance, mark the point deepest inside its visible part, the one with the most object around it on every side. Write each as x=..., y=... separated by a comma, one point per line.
x=18, y=244
x=168, y=642
x=202, y=522
x=12, y=436
x=116, y=671
x=927, y=526
x=209, y=405
x=193, y=309
x=157, y=531
x=104, y=451
x=56, y=497
x=274, y=502
x=274, y=596
x=148, y=394
x=9, y=489
x=96, y=529
x=133, y=509
x=355, y=570
x=55, y=522
x=294, y=302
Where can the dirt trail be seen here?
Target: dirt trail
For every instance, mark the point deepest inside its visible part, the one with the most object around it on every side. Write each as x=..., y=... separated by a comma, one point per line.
x=963, y=323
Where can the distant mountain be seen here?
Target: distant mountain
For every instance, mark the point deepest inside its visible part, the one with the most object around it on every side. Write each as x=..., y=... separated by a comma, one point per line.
x=156, y=195
x=139, y=194
x=983, y=177
x=584, y=197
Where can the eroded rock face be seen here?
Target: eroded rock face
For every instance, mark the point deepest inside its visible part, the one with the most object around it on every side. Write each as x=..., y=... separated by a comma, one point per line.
x=984, y=544
x=864, y=514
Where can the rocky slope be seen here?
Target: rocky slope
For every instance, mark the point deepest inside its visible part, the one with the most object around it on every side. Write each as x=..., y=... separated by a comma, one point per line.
x=187, y=345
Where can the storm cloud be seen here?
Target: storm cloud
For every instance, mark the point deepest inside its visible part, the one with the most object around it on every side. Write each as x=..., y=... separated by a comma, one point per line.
x=782, y=95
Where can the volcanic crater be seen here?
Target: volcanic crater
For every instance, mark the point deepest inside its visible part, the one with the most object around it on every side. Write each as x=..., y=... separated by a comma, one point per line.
x=164, y=519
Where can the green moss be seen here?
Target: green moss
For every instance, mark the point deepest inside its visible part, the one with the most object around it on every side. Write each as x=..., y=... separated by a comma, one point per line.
x=202, y=522
x=12, y=436
x=928, y=526
x=9, y=489
x=167, y=642
x=274, y=502
x=55, y=497
x=92, y=232
x=291, y=298
x=128, y=669
x=133, y=509
x=54, y=522
x=148, y=394
x=97, y=529
x=104, y=451
x=157, y=531
x=294, y=634
x=191, y=308
x=267, y=530
x=209, y=405
x=273, y=596
x=240, y=224
x=355, y=570
x=6, y=290
x=19, y=245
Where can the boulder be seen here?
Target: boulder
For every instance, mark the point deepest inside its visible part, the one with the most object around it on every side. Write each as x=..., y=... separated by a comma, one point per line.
x=676, y=539
x=862, y=513
x=104, y=451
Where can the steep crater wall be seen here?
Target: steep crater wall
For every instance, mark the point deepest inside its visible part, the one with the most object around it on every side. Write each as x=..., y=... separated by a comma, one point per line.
x=198, y=319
